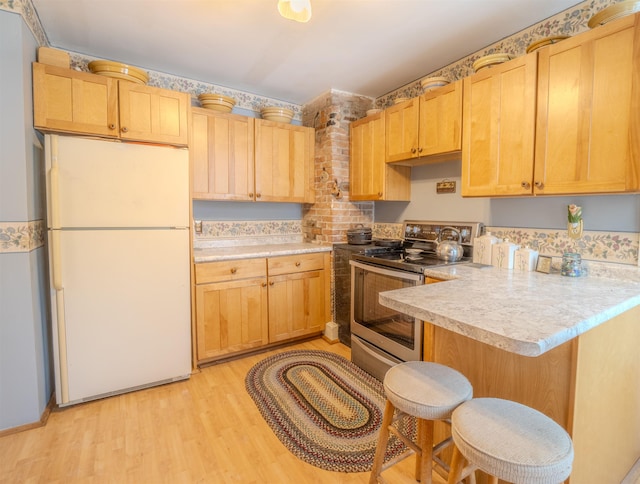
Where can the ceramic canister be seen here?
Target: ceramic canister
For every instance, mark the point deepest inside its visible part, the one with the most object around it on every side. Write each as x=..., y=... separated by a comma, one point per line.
x=526, y=259
x=503, y=254
x=482, y=247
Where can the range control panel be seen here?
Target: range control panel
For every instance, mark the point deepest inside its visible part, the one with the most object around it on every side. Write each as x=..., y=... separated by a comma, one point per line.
x=430, y=231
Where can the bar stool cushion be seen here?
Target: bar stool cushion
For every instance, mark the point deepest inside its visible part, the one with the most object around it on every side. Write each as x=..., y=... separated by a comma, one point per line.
x=426, y=390
x=512, y=441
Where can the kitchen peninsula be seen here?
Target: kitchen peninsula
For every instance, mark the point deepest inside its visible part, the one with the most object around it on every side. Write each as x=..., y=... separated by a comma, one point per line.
x=565, y=346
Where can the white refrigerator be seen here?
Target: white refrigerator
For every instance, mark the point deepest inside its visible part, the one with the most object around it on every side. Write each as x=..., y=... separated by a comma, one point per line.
x=118, y=240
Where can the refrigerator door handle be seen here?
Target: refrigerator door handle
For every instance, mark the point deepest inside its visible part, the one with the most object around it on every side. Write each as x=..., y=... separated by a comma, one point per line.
x=56, y=277
x=62, y=347
x=54, y=202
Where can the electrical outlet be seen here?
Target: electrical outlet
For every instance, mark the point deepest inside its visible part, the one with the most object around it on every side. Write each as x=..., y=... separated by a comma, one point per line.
x=198, y=226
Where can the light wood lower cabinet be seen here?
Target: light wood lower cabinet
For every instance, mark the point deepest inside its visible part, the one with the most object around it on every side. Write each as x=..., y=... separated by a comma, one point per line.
x=231, y=307
x=242, y=305
x=297, y=302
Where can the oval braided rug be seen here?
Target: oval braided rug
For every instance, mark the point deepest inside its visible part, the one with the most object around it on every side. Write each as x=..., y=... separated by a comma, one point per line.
x=323, y=408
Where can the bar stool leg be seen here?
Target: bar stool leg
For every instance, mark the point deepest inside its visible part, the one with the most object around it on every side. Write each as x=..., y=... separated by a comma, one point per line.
x=383, y=438
x=458, y=463
x=424, y=473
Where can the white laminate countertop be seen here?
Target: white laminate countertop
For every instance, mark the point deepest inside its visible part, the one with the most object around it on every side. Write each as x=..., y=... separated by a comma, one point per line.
x=212, y=254
x=526, y=313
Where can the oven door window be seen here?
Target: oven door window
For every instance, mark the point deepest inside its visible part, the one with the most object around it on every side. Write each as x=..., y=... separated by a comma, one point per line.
x=368, y=312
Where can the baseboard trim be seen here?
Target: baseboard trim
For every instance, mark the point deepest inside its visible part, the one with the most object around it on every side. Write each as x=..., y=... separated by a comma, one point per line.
x=34, y=425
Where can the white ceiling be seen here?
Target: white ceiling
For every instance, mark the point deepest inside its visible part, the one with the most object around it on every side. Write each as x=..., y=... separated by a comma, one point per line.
x=367, y=47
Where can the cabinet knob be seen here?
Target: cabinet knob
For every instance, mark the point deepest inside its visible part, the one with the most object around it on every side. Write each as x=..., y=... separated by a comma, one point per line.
x=112, y=126
x=251, y=195
x=124, y=129
x=413, y=151
x=264, y=284
x=298, y=264
x=271, y=283
x=234, y=270
x=525, y=184
x=419, y=150
x=380, y=194
x=258, y=195
x=539, y=185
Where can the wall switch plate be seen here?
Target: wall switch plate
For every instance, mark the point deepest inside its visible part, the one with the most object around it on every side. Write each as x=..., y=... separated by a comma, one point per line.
x=198, y=226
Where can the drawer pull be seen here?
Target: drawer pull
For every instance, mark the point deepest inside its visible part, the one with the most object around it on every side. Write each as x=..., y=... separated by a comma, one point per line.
x=234, y=270
x=298, y=264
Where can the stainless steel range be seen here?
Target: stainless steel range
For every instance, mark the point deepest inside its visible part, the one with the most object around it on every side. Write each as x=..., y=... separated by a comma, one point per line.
x=382, y=337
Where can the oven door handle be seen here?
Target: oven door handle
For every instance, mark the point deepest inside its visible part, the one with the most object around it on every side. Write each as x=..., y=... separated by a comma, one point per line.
x=400, y=274
x=364, y=346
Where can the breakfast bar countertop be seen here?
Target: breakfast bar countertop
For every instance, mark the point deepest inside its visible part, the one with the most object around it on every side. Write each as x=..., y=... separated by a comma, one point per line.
x=527, y=313
x=213, y=254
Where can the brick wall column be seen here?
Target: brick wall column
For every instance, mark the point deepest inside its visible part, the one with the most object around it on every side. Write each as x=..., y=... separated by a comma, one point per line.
x=332, y=214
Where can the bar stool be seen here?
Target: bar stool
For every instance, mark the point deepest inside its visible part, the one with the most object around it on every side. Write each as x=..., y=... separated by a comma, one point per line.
x=427, y=391
x=508, y=441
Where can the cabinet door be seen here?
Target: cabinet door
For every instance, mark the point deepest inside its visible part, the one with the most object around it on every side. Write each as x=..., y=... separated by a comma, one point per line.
x=283, y=162
x=401, y=124
x=440, y=126
x=367, y=165
x=296, y=305
x=499, y=129
x=221, y=151
x=153, y=114
x=65, y=100
x=588, y=137
x=231, y=317
x=370, y=177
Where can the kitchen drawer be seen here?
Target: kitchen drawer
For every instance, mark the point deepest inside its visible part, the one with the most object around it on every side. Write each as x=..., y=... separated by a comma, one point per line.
x=295, y=263
x=230, y=270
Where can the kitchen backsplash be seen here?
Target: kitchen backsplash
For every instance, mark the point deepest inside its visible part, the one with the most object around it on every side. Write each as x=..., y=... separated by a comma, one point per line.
x=226, y=234
x=618, y=247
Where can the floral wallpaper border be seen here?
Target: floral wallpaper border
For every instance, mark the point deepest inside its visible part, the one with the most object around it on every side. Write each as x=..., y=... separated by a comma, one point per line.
x=256, y=228
x=21, y=236
x=568, y=22
x=618, y=247
x=244, y=100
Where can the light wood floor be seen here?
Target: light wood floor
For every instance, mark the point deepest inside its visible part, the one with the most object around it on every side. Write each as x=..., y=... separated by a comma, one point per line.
x=203, y=430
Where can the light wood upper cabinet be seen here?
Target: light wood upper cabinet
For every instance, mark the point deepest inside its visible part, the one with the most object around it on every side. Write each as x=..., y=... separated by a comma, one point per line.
x=221, y=150
x=588, y=128
x=283, y=162
x=370, y=177
x=499, y=129
x=69, y=101
x=572, y=127
x=440, y=128
x=401, y=127
x=425, y=126
x=153, y=114
x=65, y=100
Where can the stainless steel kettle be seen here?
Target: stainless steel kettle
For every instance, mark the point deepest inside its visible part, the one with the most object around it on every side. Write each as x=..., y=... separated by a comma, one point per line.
x=449, y=250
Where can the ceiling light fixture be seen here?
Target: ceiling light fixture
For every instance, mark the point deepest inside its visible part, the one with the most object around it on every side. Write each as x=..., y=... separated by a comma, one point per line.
x=298, y=10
